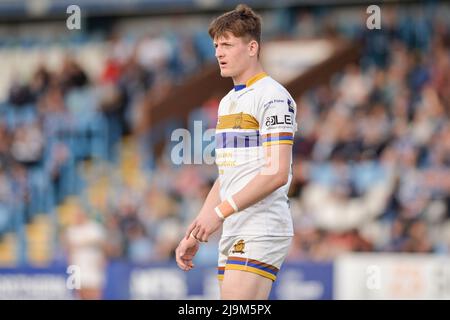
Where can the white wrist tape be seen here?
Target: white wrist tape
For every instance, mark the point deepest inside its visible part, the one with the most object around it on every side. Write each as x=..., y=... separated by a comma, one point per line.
x=219, y=213
x=232, y=203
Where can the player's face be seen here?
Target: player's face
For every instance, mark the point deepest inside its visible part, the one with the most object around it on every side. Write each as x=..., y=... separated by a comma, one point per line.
x=232, y=53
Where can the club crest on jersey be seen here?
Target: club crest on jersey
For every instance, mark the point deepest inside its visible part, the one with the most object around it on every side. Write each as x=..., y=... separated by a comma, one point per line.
x=238, y=247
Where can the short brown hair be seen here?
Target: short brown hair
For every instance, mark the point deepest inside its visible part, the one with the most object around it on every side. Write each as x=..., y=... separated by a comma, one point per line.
x=241, y=22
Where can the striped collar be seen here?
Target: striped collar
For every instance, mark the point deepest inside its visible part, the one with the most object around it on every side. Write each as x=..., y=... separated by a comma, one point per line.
x=250, y=81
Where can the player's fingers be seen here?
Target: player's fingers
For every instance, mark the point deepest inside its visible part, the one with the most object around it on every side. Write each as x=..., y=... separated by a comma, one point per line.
x=200, y=235
x=188, y=263
x=181, y=265
x=195, y=232
x=190, y=229
x=180, y=261
x=204, y=238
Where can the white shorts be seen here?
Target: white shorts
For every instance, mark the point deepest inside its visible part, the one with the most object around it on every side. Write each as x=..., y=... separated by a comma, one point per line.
x=262, y=255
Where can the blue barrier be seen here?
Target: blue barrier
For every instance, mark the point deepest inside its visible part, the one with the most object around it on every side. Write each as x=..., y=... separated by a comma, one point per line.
x=299, y=281
x=34, y=283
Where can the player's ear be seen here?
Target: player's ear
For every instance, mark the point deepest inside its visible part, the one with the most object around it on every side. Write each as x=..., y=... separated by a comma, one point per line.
x=253, y=47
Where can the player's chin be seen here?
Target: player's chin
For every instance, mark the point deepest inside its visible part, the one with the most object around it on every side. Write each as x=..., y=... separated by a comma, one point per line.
x=225, y=73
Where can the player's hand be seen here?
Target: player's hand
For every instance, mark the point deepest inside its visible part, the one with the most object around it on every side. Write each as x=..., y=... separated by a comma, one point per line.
x=203, y=226
x=185, y=252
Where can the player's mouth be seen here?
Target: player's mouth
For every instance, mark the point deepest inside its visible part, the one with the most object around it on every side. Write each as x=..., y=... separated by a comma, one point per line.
x=222, y=64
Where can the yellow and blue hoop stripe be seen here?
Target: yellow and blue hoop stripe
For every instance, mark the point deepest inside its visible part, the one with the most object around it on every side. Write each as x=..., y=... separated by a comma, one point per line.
x=220, y=272
x=249, y=265
x=277, y=138
x=240, y=139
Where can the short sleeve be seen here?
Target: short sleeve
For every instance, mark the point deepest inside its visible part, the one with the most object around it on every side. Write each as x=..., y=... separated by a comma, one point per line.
x=276, y=116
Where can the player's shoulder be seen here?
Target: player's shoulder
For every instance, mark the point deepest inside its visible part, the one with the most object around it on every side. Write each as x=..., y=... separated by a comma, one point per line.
x=224, y=101
x=227, y=97
x=270, y=90
x=269, y=87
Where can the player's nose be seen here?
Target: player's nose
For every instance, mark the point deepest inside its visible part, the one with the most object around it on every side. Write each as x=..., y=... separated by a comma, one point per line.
x=219, y=53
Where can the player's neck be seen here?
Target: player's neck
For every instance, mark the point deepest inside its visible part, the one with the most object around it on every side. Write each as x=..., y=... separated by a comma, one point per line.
x=247, y=74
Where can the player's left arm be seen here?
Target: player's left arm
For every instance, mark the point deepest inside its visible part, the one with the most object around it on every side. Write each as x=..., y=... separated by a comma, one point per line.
x=274, y=175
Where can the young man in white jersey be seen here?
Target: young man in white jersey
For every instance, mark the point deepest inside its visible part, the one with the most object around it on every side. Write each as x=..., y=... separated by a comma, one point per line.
x=254, y=137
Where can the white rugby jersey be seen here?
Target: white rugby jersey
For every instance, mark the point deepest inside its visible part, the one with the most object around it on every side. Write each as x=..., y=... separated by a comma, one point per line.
x=251, y=116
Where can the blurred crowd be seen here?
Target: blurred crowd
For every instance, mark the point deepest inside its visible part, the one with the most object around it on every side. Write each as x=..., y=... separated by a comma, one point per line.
x=372, y=169
x=59, y=118
x=371, y=157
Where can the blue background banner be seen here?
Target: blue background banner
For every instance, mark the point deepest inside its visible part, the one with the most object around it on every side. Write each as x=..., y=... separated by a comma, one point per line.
x=302, y=280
